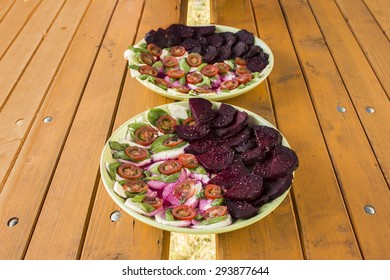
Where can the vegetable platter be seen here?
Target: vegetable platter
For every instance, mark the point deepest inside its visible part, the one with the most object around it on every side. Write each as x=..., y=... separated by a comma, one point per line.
x=214, y=62
x=198, y=166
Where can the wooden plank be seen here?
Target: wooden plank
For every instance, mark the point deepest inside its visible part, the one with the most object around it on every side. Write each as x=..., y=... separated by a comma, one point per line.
x=360, y=177
x=38, y=156
x=381, y=12
x=14, y=22
x=316, y=192
x=33, y=33
x=5, y=6
x=60, y=229
x=128, y=238
x=348, y=55
x=371, y=38
x=281, y=224
x=18, y=114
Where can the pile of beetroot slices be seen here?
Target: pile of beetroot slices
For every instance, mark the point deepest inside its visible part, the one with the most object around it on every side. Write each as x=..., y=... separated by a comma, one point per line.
x=249, y=162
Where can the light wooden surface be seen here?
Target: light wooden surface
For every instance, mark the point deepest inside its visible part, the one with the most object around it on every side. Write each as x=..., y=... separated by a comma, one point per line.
x=328, y=54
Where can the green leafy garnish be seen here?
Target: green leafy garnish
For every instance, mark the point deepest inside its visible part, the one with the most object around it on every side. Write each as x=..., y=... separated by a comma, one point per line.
x=183, y=65
x=133, y=66
x=206, y=82
x=117, y=146
x=217, y=202
x=200, y=195
x=112, y=169
x=154, y=114
x=168, y=215
x=213, y=220
x=158, y=147
x=146, y=207
x=138, y=198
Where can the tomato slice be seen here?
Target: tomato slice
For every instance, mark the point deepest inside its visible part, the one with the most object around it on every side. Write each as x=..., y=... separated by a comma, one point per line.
x=135, y=186
x=159, y=81
x=172, y=141
x=189, y=121
x=240, y=61
x=204, y=89
x=136, y=153
x=183, y=212
x=154, y=50
x=182, y=89
x=215, y=211
x=129, y=171
x=184, y=190
x=209, y=70
x=148, y=70
x=169, y=167
x=147, y=58
x=222, y=67
x=188, y=160
x=194, y=78
x=170, y=61
x=244, y=78
x=213, y=191
x=242, y=70
x=166, y=124
x=194, y=59
x=175, y=73
x=230, y=84
x=145, y=135
x=153, y=201
x=178, y=50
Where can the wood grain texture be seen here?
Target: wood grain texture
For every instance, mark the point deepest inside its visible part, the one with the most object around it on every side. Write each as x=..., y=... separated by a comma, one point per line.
x=358, y=77
x=33, y=32
x=360, y=177
x=61, y=225
x=5, y=6
x=14, y=21
x=380, y=10
x=128, y=238
x=281, y=224
x=324, y=224
x=370, y=37
x=38, y=156
x=17, y=117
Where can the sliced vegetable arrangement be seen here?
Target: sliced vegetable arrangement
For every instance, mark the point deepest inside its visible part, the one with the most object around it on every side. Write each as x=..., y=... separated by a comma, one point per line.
x=189, y=61
x=197, y=166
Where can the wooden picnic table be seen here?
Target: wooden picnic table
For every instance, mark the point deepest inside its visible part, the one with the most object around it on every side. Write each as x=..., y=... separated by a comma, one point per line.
x=65, y=87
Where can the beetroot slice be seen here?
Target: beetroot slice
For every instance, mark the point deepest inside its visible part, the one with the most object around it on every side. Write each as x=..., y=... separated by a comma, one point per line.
x=247, y=188
x=251, y=143
x=200, y=146
x=257, y=154
x=216, y=158
x=267, y=137
x=283, y=161
x=241, y=209
x=240, y=138
x=272, y=190
x=201, y=110
x=240, y=121
x=224, y=117
x=190, y=132
x=232, y=173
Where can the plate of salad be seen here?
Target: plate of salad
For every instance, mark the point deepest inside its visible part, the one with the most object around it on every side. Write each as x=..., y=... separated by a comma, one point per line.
x=214, y=62
x=197, y=166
